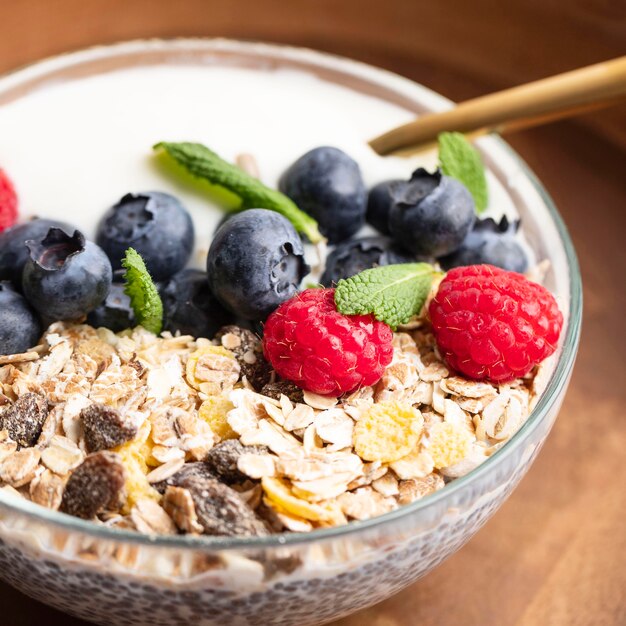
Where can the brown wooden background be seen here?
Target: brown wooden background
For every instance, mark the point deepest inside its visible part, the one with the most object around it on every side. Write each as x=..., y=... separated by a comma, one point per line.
x=555, y=553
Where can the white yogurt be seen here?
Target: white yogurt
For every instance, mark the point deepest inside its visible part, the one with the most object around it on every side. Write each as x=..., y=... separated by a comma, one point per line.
x=74, y=148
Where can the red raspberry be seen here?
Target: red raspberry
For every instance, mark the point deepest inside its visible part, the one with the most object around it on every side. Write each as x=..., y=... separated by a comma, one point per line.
x=492, y=324
x=310, y=343
x=8, y=202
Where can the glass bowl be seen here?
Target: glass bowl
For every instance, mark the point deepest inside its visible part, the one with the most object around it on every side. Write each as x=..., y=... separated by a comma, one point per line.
x=120, y=577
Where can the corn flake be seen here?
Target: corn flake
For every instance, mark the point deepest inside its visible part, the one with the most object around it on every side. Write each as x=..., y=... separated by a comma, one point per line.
x=449, y=444
x=388, y=432
x=134, y=455
x=214, y=411
x=281, y=497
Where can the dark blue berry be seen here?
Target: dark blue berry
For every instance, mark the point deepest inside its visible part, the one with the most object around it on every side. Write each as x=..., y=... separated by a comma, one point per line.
x=490, y=242
x=190, y=308
x=255, y=262
x=153, y=223
x=351, y=257
x=19, y=325
x=66, y=276
x=115, y=313
x=431, y=214
x=379, y=204
x=13, y=250
x=327, y=184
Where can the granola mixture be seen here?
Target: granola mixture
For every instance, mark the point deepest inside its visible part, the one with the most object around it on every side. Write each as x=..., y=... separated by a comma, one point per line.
x=173, y=434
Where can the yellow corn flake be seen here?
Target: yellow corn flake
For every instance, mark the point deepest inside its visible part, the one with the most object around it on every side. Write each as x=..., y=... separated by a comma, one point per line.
x=134, y=455
x=388, y=432
x=282, y=499
x=214, y=411
x=194, y=357
x=449, y=444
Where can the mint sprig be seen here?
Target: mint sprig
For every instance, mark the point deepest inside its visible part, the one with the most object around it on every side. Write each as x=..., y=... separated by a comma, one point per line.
x=144, y=296
x=205, y=164
x=393, y=293
x=460, y=160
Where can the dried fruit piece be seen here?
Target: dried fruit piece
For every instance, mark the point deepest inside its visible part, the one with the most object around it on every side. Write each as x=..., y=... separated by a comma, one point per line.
x=387, y=432
x=96, y=484
x=449, y=444
x=25, y=418
x=214, y=411
x=248, y=350
x=222, y=460
x=285, y=388
x=221, y=510
x=104, y=428
x=199, y=469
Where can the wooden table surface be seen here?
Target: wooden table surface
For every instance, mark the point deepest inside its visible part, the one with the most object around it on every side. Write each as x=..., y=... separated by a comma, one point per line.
x=554, y=554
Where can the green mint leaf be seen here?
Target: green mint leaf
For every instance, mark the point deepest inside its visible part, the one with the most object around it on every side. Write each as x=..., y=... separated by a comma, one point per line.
x=205, y=164
x=144, y=296
x=393, y=293
x=460, y=160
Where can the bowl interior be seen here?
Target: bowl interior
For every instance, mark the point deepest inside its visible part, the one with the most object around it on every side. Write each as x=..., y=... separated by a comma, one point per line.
x=515, y=188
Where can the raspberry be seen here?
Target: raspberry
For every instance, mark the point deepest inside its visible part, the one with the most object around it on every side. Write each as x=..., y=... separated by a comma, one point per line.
x=494, y=325
x=8, y=202
x=310, y=343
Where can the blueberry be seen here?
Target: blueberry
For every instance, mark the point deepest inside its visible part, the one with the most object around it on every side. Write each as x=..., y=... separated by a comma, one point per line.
x=115, y=313
x=153, y=223
x=327, y=184
x=431, y=214
x=19, y=325
x=490, y=242
x=13, y=250
x=255, y=262
x=189, y=306
x=379, y=204
x=65, y=277
x=351, y=257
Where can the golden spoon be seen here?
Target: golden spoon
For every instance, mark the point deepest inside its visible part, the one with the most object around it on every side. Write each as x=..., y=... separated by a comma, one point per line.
x=532, y=104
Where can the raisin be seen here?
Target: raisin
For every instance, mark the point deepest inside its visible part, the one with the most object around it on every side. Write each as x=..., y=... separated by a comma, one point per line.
x=285, y=388
x=221, y=510
x=96, y=484
x=199, y=469
x=25, y=418
x=222, y=460
x=104, y=428
x=248, y=350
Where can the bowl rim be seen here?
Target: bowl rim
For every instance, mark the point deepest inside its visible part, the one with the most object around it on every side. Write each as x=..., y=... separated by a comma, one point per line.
x=346, y=68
